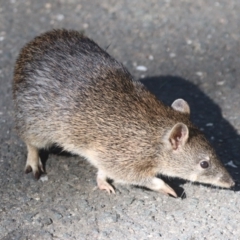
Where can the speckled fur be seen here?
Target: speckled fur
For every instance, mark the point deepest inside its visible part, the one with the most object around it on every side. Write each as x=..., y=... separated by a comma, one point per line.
x=70, y=92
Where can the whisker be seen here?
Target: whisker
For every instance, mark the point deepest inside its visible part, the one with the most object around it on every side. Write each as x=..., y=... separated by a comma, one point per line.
x=107, y=46
x=183, y=193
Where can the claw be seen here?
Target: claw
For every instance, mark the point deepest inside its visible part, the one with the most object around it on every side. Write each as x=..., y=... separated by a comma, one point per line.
x=37, y=175
x=37, y=170
x=28, y=169
x=104, y=185
x=159, y=185
x=102, y=182
x=168, y=191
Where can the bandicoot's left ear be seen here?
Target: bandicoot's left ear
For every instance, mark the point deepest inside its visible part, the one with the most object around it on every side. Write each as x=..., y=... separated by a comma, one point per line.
x=178, y=135
x=181, y=105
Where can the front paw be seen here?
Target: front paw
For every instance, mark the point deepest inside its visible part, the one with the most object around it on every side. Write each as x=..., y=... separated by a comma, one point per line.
x=159, y=185
x=102, y=182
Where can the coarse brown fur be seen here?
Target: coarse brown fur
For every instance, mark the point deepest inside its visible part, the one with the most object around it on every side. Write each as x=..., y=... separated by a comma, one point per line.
x=70, y=92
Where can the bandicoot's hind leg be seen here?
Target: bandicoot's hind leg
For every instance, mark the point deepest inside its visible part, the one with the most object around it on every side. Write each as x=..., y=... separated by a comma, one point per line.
x=33, y=163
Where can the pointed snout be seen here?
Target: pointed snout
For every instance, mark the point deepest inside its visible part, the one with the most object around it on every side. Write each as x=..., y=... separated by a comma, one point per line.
x=227, y=181
x=232, y=183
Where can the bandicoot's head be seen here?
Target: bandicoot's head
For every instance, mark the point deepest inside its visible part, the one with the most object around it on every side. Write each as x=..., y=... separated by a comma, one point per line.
x=191, y=155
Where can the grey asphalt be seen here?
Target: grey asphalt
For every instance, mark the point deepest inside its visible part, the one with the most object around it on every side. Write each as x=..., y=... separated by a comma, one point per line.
x=183, y=48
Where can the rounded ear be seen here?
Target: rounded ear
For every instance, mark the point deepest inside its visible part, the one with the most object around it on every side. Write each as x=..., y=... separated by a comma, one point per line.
x=178, y=135
x=181, y=105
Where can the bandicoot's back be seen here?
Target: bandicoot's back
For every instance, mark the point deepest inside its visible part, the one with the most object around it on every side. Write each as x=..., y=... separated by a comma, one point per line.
x=64, y=79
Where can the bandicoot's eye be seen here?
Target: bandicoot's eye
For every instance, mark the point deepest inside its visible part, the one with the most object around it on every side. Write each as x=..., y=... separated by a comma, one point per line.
x=204, y=164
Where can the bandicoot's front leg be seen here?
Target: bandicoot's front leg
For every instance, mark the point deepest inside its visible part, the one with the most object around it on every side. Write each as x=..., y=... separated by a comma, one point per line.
x=157, y=184
x=102, y=182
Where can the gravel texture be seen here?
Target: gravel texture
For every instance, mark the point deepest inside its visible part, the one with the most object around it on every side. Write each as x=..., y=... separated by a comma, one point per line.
x=183, y=48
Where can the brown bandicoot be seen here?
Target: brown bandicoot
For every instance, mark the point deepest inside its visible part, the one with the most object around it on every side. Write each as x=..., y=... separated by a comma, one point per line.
x=70, y=92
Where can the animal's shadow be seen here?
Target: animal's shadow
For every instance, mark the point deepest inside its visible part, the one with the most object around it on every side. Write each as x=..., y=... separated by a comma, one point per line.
x=205, y=114
x=44, y=154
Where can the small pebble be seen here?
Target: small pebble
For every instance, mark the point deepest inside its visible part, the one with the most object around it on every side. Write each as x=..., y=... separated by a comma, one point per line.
x=231, y=164
x=46, y=221
x=48, y=5
x=141, y=68
x=108, y=217
x=150, y=57
x=220, y=83
x=200, y=74
x=85, y=25
x=44, y=178
x=57, y=214
x=60, y=17
x=209, y=36
x=65, y=166
x=172, y=55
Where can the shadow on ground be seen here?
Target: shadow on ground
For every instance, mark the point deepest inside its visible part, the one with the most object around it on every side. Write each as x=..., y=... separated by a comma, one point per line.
x=204, y=113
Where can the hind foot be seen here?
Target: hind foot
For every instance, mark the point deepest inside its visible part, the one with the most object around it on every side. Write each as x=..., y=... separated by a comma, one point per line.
x=33, y=163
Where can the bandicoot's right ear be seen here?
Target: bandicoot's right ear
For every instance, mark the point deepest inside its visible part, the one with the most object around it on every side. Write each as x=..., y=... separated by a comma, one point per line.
x=178, y=135
x=181, y=105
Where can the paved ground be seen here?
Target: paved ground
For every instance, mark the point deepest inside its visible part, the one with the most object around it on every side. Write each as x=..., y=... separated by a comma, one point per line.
x=190, y=49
